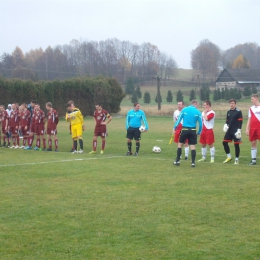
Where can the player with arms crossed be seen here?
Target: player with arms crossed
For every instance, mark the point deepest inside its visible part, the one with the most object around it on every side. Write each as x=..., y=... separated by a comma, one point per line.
x=24, y=124
x=14, y=125
x=100, y=115
x=207, y=134
x=75, y=118
x=134, y=119
x=5, y=121
x=232, y=128
x=253, y=126
x=53, y=120
x=190, y=115
x=177, y=132
x=39, y=128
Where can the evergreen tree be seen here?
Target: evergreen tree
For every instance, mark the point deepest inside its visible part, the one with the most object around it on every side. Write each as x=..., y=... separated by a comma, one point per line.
x=192, y=95
x=247, y=91
x=179, y=96
x=147, y=98
x=222, y=93
x=227, y=93
x=254, y=90
x=239, y=94
x=129, y=86
x=204, y=92
x=156, y=99
x=215, y=95
x=169, y=97
x=138, y=92
x=219, y=94
x=134, y=98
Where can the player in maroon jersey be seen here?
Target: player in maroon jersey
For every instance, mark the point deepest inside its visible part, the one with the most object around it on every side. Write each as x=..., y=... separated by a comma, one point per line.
x=100, y=115
x=53, y=120
x=24, y=123
x=39, y=128
x=5, y=121
x=14, y=125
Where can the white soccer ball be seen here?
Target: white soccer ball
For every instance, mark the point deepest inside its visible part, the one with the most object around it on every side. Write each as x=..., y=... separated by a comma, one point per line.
x=156, y=149
x=142, y=128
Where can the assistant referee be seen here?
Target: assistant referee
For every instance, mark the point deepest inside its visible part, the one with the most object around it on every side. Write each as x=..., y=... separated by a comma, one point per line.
x=190, y=115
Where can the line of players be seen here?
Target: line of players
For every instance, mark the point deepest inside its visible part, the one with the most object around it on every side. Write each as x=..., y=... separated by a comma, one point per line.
x=30, y=121
x=232, y=129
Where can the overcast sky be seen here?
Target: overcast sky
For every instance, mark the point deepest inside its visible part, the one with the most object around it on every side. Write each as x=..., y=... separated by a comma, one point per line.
x=175, y=26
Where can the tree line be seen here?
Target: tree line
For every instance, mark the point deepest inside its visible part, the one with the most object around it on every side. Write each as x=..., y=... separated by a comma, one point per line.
x=207, y=58
x=204, y=94
x=84, y=91
x=111, y=57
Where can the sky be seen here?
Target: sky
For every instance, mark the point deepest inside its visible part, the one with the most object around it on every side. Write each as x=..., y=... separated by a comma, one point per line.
x=176, y=27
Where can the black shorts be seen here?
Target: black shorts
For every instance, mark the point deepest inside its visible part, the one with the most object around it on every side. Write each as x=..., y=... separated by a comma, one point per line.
x=133, y=133
x=188, y=134
x=230, y=137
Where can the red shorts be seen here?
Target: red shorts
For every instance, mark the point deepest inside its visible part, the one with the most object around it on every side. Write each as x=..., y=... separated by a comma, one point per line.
x=207, y=137
x=39, y=129
x=32, y=128
x=26, y=131
x=254, y=134
x=177, y=136
x=13, y=130
x=100, y=131
x=51, y=131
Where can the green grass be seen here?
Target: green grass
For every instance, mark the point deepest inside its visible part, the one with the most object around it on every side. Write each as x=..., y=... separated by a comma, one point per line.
x=64, y=206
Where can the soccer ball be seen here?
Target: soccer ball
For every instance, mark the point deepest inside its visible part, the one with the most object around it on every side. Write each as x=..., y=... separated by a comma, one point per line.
x=142, y=128
x=156, y=149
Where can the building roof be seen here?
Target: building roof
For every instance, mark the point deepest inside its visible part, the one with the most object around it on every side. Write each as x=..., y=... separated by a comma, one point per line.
x=244, y=75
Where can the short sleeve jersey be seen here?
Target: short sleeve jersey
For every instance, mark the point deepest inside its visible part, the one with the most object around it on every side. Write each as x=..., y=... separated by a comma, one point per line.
x=4, y=116
x=208, y=124
x=53, y=118
x=100, y=116
x=14, y=118
x=39, y=117
x=175, y=118
x=25, y=118
x=254, y=115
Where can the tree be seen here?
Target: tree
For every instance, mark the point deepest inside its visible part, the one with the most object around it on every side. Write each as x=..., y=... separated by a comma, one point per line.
x=204, y=93
x=179, y=96
x=247, y=91
x=147, y=98
x=227, y=94
x=240, y=63
x=169, y=97
x=157, y=100
x=134, y=98
x=254, y=90
x=129, y=86
x=206, y=58
x=138, y=92
x=192, y=95
x=215, y=95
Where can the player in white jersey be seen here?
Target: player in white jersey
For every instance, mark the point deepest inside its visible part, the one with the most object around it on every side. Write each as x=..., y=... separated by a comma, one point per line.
x=253, y=126
x=207, y=134
x=177, y=133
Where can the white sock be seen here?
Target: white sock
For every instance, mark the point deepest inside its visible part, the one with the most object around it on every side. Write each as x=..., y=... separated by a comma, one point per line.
x=253, y=153
x=229, y=155
x=204, y=152
x=212, y=152
x=187, y=149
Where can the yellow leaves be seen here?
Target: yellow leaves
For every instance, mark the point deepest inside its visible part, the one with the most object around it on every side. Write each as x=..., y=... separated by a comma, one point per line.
x=240, y=63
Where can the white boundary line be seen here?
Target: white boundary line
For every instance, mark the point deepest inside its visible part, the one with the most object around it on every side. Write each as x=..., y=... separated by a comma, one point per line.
x=115, y=157
x=58, y=161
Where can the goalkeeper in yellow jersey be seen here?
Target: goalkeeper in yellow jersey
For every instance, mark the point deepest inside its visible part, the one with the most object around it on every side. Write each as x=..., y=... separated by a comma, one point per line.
x=75, y=118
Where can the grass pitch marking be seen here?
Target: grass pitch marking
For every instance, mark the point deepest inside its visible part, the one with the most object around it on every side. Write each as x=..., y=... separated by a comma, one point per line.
x=109, y=157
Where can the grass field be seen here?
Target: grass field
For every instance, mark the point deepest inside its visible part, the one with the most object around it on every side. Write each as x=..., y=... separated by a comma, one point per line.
x=81, y=206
